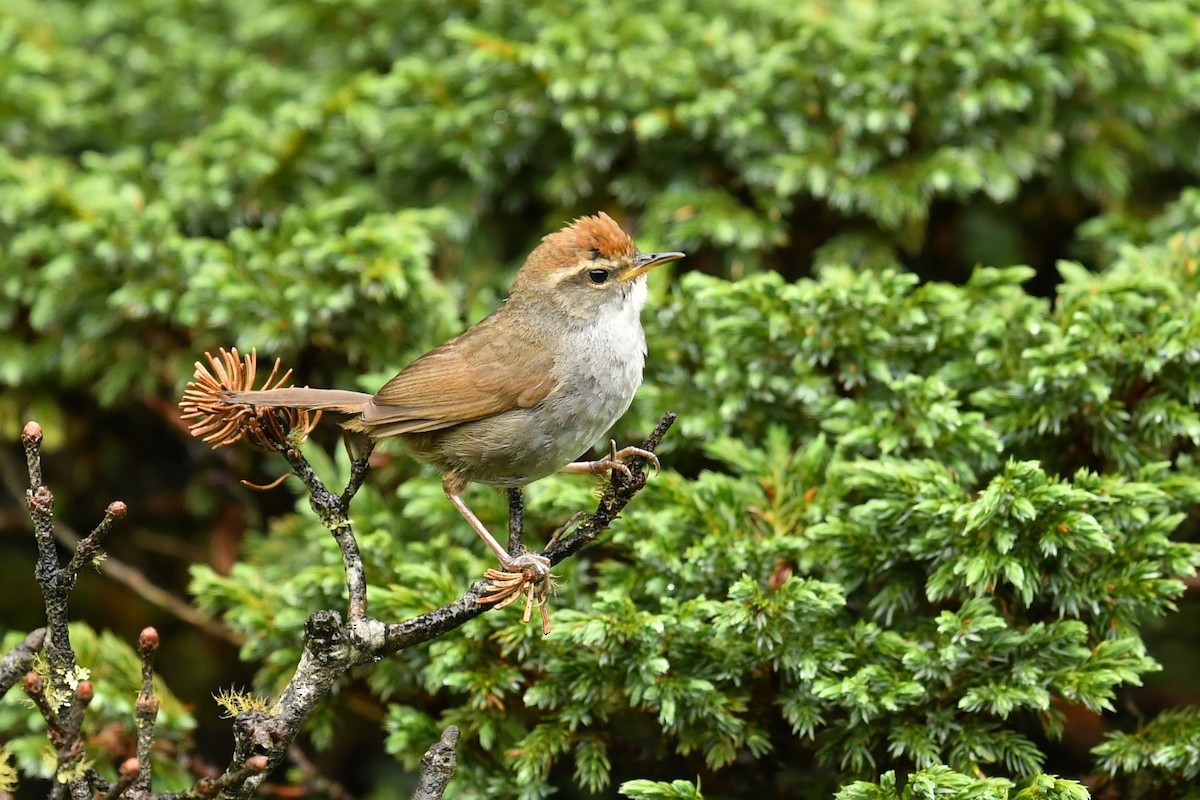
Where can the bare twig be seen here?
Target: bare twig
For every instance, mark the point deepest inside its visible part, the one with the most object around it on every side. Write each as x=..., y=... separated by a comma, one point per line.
x=437, y=766
x=17, y=661
x=61, y=696
x=332, y=646
x=130, y=576
x=143, y=587
x=73, y=726
x=221, y=423
x=146, y=709
x=31, y=438
x=35, y=688
x=88, y=549
x=402, y=635
x=359, y=467
x=130, y=769
x=40, y=500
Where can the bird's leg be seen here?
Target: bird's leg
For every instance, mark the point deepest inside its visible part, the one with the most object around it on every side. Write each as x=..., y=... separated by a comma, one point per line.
x=615, y=460
x=540, y=565
x=523, y=573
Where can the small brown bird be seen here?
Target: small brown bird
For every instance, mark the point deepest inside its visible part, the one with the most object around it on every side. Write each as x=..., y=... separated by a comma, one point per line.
x=527, y=389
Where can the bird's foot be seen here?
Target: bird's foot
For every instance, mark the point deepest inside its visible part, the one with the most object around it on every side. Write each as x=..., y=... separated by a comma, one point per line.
x=535, y=564
x=527, y=574
x=615, y=460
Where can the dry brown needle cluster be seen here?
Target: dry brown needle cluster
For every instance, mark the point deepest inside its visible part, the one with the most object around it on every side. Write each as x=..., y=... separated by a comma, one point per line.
x=505, y=587
x=220, y=422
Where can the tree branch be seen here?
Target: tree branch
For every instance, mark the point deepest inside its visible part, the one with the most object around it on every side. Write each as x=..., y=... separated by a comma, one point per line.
x=331, y=646
x=88, y=549
x=146, y=708
x=128, y=575
x=40, y=501
x=17, y=661
x=437, y=766
x=61, y=696
x=516, y=520
x=334, y=512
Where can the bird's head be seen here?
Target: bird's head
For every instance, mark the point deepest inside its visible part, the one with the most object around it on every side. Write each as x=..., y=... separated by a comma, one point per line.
x=589, y=267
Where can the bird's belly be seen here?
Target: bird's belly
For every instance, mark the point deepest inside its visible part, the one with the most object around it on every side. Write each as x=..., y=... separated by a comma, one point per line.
x=597, y=370
x=520, y=446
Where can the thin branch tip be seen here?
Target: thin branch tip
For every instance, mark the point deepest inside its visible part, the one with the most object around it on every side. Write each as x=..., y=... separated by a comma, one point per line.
x=438, y=766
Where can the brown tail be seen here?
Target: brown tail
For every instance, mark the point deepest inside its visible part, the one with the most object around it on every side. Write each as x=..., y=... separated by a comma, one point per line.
x=303, y=397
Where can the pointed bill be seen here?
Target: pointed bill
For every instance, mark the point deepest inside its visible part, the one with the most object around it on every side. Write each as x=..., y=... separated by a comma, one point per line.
x=644, y=262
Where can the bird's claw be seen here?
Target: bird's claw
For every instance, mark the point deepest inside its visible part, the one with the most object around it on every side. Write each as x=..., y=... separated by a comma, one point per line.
x=626, y=452
x=615, y=460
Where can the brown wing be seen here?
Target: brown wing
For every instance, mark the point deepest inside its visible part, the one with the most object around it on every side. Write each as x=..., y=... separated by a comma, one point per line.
x=469, y=377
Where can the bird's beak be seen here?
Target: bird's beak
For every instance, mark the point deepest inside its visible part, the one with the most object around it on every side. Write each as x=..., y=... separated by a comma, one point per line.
x=644, y=262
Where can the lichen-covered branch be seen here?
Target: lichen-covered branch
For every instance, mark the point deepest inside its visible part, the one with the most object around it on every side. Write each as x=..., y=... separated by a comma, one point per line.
x=359, y=467
x=40, y=500
x=58, y=690
x=334, y=512
x=232, y=778
x=35, y=690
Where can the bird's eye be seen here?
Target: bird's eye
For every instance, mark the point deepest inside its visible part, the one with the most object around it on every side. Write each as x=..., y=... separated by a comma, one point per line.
x=597, y=276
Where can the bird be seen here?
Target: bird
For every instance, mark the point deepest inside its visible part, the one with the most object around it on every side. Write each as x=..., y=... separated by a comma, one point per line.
x=526, y=390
